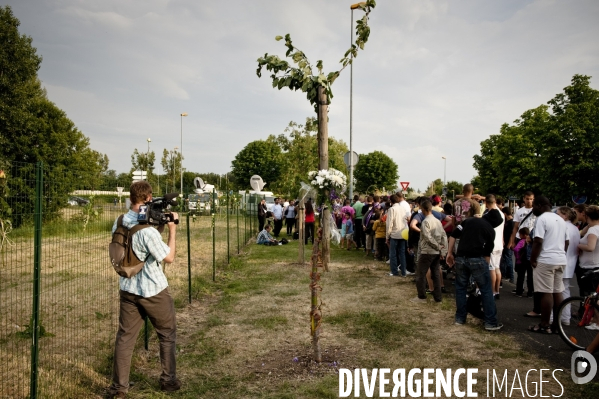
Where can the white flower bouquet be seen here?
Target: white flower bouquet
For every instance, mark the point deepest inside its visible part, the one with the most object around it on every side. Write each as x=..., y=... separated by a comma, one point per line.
x=331, y=179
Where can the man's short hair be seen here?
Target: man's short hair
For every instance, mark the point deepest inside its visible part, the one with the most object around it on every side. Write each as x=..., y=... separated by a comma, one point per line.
x=400, y=195
x=370, y=198
x=426, y=205
x=267, y=227
x=506, y=211
x=139, y=191
x=356, y=197
x=528, y=193
x=376, y=198
x=394, y=199
x=490, y=199
x=468, y=188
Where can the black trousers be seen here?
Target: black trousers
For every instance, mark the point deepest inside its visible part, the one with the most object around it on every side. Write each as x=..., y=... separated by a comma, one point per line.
x=309, y=232
x=261, y=220
x=278, y=227
x=289, y=222
x=359, y=236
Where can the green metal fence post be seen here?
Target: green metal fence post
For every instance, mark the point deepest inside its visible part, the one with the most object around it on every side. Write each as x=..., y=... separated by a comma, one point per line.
x=37, y=269
x=237, y=229
x=245, y=223
x=188, y=259
x=213, y=236
x=228, y=243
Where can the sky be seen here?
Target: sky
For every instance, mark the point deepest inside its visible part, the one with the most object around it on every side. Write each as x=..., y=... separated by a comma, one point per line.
x=435, y=79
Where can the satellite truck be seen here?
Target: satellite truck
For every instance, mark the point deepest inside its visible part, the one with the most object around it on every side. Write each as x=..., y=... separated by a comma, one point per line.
x=202, y=199
x=251, y=200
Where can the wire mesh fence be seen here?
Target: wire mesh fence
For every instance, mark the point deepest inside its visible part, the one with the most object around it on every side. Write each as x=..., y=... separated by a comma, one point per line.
x=58, y=291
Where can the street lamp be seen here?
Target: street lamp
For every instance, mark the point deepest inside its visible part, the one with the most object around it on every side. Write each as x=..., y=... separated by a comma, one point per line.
x=444, y=174
x=148, y=160
x=182, y=115
x=174, y=164
x=351, y=81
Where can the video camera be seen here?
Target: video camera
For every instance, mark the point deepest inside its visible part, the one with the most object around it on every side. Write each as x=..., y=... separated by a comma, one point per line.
x=156, y=212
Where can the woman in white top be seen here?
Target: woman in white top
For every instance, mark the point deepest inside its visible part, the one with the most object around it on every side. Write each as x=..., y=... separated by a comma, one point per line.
x=571, y=255
x=589, y=255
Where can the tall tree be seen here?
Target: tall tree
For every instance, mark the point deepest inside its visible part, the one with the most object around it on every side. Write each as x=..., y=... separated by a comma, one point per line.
x=260, y=157
x=376, y=170
x=171, y=164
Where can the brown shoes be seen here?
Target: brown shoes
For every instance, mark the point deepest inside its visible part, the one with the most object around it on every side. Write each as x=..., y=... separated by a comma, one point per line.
x=170, y=386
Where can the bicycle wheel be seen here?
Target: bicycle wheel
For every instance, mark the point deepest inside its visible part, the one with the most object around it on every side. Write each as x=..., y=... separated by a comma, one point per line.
x=577, y=337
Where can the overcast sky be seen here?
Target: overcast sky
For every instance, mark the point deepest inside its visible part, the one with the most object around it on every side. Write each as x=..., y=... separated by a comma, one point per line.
x=436, y=78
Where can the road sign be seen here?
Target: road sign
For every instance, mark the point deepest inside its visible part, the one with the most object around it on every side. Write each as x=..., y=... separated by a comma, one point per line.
x=139, y=175
x=354, y=159
x=579, y=199
x=404, y=185
x=444, y=190
x=513, y=198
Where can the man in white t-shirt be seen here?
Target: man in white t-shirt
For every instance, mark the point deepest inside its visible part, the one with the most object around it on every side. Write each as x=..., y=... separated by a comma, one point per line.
x=495, y=261
x=548, y=259
x=523, y=218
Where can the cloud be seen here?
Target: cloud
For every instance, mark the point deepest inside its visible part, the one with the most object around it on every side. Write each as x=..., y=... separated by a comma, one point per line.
x=436, y=78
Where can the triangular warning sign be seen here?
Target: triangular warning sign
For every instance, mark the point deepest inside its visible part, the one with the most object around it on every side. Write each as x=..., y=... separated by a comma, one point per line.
x=404, y=185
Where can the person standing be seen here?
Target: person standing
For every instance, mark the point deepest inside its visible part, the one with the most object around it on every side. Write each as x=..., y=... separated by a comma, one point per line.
x=396, y=223
x=359, y=236
x=495, y=261
x=290, y=217
x=261, y=214
x=309, y=220
x=507, y=255
x=432, y=247
x=571, y=256
x=146, y=293
x=548, y=259
x=277, y=214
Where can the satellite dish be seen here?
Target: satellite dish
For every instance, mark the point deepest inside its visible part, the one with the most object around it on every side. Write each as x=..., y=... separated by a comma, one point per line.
x=257, y=183
x=199, y=183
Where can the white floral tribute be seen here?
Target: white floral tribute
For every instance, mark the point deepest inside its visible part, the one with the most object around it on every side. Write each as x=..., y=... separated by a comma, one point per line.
x=328, y=179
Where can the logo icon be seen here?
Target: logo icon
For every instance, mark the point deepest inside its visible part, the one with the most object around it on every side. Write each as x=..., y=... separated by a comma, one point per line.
x=583, y=367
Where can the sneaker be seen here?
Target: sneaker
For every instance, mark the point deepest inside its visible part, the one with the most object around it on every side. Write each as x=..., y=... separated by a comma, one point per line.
x=490, y=327
x=393, y=275
x=500, y=285
x=170, y=386
x=458, y=323
x=513, y=291
x=418, y=300
x=388, y=261
x=429, y=291
x=592, y=326
x=409, y=274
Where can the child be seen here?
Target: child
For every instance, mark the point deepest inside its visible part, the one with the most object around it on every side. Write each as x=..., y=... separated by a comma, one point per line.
x=380, y=230
x=348, y=226
x=343, y=228
x=522, y=263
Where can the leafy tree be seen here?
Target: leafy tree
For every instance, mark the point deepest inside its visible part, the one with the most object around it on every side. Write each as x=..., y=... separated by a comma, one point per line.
x=171, y=164
x=554, y=153
x=375, y=170
x=300, y=155
x=260, y=157
x=34, y=129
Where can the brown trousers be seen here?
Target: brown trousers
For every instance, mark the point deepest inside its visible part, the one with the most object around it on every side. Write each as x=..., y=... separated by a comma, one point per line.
x=160, y=309
x=426, y=262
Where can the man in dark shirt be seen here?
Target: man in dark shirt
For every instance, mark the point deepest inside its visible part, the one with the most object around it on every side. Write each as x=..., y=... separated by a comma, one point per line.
x=476, y=237
x=507, y=256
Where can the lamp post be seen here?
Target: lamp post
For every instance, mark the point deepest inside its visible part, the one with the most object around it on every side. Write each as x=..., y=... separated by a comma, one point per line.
x=174, y=167
x=148, y=161
x=351, y=89
x=444, y=173
x=182, y=115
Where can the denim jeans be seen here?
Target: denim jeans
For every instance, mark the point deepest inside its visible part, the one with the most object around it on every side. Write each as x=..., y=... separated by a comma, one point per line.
x=397, y=252
x=478, y=269
x=507, y=264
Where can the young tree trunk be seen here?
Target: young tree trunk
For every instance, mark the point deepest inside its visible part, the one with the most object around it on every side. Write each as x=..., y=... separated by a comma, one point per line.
x=315, y=314
x=302, y=232
x=323, y=163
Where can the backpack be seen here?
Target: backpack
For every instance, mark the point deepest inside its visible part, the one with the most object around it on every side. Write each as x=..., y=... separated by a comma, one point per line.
x=120, y=250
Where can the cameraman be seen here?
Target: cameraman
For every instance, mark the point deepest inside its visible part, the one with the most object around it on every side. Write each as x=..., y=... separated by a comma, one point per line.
x=146, y=293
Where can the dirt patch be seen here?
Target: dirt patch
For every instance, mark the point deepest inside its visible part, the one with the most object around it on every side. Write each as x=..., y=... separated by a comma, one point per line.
x=296, y=363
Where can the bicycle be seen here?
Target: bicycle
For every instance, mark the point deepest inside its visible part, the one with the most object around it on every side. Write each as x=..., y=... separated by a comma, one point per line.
x=582, y=310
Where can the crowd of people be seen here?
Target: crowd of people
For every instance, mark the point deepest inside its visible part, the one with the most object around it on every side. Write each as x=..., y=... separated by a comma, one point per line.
x=479, y=242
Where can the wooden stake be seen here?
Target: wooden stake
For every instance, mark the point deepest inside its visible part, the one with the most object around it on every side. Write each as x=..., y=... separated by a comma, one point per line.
x=315, y=313
x=323, y=163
